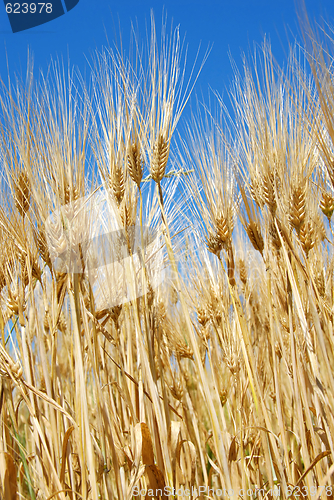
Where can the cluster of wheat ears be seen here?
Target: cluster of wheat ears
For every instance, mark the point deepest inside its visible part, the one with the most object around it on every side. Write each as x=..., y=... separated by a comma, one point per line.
x=208, y=361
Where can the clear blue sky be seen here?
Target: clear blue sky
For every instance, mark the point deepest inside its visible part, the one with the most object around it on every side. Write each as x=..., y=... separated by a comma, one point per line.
x=231, y=25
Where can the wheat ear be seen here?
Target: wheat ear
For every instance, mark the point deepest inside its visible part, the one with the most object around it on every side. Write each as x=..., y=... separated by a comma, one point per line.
x=160, y=158
x=22, y=193
x=135, y=163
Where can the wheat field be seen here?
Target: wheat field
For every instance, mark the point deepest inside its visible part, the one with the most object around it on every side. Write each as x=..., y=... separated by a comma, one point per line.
x=166, y=285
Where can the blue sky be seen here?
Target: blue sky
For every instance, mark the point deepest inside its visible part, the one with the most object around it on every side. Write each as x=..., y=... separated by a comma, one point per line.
x=231, y=26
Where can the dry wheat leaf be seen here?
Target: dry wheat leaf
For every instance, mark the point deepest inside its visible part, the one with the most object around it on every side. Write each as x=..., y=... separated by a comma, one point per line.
x=147, y=446
x=191, y=454
x=136, y=474
x=233, y=452
x=138, y=444
x=174, y=438
x=319, y=457
x=10, y=481
x=155, y=479
x=64, y=449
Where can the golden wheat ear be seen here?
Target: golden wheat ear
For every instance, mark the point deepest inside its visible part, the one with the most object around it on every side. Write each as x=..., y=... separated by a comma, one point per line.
x=135, y=163
x=116, y=183
x=22, y=193
x=159, y=158
x=327, y=205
